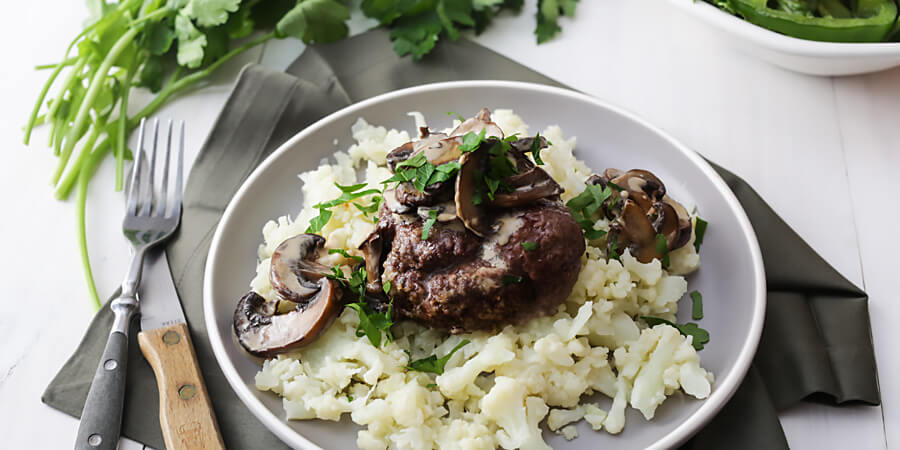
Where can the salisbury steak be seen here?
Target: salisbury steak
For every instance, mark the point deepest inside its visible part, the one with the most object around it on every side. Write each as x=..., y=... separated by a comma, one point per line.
x=457, y=281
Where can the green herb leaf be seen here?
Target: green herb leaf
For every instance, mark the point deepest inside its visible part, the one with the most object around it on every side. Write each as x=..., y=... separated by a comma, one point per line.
x=209, y=13
x=315, y=21
x=386, y=287
x=700, y=336
x=547, y=15
x=529, y=246
x=471, y=141
x=662, y=247
x=696, y=305
x=191, y=42
x=317, y=223
x=350, y=188
x=584, y=205
x=431, y=385
x=511, y=279
x=536, y=149
x=423, y=174
x=432, y=219
x=457, y=115
x=699, y=232
x=416, y=160
x=433, y=364
x=345, y=254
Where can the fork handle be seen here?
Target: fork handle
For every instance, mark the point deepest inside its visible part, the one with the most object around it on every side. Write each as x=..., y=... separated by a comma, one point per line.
x=101, y=418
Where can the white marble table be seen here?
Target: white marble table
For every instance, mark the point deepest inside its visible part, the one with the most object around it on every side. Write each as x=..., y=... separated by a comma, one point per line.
x=823, y=152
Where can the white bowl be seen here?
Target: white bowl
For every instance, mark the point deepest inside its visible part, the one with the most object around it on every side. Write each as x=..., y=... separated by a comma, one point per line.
x=799, y=55
x=731, y=277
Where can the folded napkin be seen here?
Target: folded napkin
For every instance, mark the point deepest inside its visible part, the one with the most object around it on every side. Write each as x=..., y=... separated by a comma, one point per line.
x=816, y=342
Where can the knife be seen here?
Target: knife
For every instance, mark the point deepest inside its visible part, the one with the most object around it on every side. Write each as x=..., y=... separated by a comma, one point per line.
x=185, y=412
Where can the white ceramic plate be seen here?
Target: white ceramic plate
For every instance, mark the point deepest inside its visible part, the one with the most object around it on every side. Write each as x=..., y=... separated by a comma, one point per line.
x=731, y=276
x=799, y=55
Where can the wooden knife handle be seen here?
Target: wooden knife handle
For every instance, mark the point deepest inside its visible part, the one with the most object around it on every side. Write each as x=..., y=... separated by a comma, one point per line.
x=185, y=412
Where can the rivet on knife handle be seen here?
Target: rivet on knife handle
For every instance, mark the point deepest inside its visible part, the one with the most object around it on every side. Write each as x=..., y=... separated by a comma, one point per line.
x=185, y=411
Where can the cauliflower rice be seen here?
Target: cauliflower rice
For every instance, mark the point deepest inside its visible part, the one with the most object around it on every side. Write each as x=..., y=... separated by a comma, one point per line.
x=496, y=390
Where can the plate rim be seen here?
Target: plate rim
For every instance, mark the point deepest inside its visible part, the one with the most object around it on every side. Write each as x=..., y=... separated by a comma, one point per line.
x=725, y=388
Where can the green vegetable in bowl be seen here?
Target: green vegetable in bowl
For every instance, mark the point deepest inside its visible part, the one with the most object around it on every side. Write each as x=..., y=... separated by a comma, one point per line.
x=821, y=20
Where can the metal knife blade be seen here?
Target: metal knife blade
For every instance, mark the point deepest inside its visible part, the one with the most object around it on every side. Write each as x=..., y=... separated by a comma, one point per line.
x=160, y=306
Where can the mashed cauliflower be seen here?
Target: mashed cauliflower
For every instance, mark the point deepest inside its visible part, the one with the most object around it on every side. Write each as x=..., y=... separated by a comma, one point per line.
x=497, y=390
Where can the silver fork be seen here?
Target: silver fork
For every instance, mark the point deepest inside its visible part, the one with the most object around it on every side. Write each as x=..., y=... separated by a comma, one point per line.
x=147, y=224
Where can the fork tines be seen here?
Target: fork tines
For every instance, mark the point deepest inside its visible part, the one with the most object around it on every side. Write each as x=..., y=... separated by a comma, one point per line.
x=142, y=192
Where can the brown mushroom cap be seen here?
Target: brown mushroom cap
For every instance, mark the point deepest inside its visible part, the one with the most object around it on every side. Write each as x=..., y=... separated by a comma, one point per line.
x=262, y=332
x=643, y=192
x=294, y=273
x=527, y=187
x=481, y=121
x=473, y=216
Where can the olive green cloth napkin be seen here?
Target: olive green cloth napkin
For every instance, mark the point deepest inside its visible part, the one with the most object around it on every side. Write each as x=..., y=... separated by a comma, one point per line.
x=816, y=342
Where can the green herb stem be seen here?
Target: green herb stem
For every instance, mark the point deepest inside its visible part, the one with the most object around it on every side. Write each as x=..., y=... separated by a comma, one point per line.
x=174, y=86
x=50, y=80
x=66, y=62
x=80, y=208
x=88, y=101
x=121, y=125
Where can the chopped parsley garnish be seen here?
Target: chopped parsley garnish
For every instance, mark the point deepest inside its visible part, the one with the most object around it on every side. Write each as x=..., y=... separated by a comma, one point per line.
x=431, y=385
x=662, y=247
x=349, y=398
x=371, y=322
x=529, y=246
x=457, y=115
x=512, y=279
x=536, y=149
x=433, y=364
x=584, y=205
x=614, y=251
x=696, y=305
x=344, y=253
x=432, y=219
x=700, y=336
x=421, y=173
x=348, y=194
x=699, y=231
x=471, y=141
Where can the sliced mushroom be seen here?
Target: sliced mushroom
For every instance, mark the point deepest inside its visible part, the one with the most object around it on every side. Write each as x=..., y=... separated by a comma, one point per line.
x=294, y=272
x=473, y=216
x=446, y=212
x=262, y=332
x=398, y=155
x=393, y=204
x=642, y=191
x=373, y=251
x=527, y=187
x=481, y=121
x=633, y=230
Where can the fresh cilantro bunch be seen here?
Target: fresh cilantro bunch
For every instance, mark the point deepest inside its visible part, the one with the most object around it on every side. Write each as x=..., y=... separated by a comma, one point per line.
x=416, y=26
x=169, y=46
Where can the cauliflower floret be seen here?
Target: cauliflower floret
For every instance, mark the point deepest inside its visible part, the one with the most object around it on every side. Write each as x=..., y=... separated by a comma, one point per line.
x=517, y=415
x=561, y=417
x=659, y=362
x=594, y=416
x=497, y=350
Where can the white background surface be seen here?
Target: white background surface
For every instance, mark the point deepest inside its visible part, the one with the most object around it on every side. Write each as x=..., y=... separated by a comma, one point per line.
x=823, y=152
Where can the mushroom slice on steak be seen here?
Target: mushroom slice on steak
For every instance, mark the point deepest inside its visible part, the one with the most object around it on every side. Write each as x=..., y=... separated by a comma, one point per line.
x=472, y=215
x=262, y=332
x=481, y=121
x=526, y=188
x=295, y=273
x=446, y=212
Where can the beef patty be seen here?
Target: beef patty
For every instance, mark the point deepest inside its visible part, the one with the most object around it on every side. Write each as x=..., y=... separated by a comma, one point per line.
x=457, y=281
